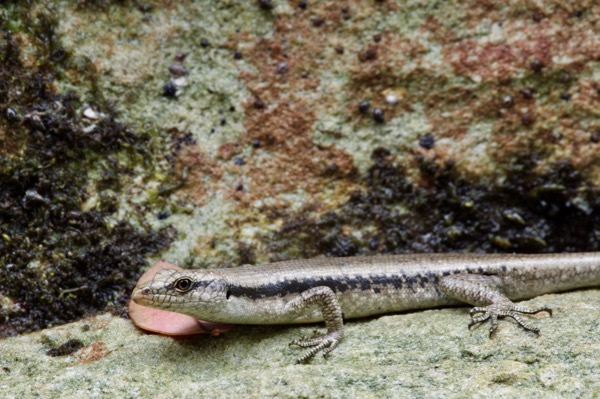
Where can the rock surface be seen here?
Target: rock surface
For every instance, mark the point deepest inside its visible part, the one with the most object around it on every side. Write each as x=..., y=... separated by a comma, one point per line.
x=421, y=354
x=231, y=132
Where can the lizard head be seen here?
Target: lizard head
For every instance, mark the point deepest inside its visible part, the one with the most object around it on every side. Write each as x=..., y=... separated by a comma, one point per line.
x=195, y=293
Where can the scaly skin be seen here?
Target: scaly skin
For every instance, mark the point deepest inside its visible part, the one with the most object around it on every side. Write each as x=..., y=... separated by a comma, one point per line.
x=301, y=291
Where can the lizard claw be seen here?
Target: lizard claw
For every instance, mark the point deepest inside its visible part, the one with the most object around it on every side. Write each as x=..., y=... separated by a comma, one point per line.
x=494, y=311
x=325, y=343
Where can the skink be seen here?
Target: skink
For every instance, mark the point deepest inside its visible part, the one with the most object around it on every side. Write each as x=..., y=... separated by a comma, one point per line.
x=331, y=289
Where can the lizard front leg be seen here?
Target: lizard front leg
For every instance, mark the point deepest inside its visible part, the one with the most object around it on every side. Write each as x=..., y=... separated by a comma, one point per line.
x=327, y=302
x=484, y=293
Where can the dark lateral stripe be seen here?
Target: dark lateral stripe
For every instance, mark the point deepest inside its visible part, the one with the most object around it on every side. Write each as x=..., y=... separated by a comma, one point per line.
x=375, y=281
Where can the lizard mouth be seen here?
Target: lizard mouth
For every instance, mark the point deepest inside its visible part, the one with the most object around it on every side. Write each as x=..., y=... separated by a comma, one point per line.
x=141, y=294
x=147, y=292
x=146, y=296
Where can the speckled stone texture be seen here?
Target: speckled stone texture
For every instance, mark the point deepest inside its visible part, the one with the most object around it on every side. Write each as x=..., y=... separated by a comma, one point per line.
x=254, y=131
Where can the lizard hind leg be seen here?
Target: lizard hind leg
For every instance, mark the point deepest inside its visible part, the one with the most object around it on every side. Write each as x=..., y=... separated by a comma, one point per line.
x=327, y=302
x=483, y=292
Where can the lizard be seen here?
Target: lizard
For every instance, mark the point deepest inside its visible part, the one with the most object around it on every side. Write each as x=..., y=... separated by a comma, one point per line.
x=334, y=289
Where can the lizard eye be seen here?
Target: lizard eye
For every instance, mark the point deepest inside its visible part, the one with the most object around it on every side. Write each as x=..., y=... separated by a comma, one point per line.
x=183, y=284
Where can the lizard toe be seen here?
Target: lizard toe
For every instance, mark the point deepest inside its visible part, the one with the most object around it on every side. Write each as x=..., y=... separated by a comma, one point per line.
x=506, y=309
x=325, y=343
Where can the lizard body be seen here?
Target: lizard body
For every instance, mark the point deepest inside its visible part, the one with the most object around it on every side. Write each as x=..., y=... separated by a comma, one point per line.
x=331, y=289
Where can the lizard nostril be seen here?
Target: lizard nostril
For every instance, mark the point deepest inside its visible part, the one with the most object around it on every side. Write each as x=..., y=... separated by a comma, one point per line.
x=146, y=291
